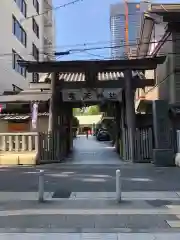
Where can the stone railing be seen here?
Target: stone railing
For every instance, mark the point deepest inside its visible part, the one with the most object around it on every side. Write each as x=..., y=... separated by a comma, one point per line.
x=19, y=142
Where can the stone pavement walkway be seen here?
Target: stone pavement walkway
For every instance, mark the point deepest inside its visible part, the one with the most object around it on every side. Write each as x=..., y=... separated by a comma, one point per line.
x=91, y=212
x=80, y=199
x=90, y=151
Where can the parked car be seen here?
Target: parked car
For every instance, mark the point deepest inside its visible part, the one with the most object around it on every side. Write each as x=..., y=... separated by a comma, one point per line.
x=103, y=135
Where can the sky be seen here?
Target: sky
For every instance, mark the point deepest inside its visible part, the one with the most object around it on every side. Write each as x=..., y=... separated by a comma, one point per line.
x=84, y=22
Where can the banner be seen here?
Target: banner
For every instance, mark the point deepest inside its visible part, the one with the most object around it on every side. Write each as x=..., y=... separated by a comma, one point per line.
x=34, y=115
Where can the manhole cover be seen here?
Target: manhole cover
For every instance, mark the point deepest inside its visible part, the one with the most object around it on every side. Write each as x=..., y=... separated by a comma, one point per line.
x=61, y=194
x=158, y=203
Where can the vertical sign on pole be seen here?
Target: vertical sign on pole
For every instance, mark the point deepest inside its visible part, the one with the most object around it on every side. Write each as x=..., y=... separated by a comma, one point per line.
x=34, y=115
x=2, y=107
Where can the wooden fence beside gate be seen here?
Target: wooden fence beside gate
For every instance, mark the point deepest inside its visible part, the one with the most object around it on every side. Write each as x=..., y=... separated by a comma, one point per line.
x=49, y=147
x=53, y=147
x=143, y=145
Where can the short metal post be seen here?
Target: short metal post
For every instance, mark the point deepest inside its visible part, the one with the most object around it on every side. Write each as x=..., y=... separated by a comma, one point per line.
x=118, y=185
x=41, y=186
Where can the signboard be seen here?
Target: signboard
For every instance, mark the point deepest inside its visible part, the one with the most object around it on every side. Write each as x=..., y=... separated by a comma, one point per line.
x=18, y=127
x=34, y=115
x=76, y=95
x=2, y=107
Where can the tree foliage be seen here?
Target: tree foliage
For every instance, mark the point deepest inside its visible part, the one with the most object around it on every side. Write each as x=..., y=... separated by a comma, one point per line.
x=75, y=122
x=92, y=110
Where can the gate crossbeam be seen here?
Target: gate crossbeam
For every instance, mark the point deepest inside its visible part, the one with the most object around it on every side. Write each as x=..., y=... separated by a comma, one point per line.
x=100, y=66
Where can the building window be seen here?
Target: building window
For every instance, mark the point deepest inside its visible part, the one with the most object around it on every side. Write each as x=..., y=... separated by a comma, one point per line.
x=16, y=66
x=19, y=32
x=35, y=52
x=36, y=5
x=22, y=6
x=35, y=77
x=35, y=27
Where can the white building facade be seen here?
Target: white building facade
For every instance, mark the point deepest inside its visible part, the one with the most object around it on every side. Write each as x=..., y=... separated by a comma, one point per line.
x=24, y=37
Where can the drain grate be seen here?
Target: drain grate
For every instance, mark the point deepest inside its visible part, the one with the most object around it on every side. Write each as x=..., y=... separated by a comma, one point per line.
x=60, y=193
x=158, y=203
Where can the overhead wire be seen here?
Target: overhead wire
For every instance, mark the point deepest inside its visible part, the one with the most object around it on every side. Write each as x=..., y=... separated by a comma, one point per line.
x=87, y=43
x=159, y=83
x=164, y=79
x=73, y=51
x=53, y=9
x=81, y=44
x=95, y=55
x=113, y=47
x=85, y=49
x=57, y=8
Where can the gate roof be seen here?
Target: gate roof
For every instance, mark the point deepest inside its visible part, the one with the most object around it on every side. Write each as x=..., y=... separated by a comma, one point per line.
x=77, y=71
x=80, y=77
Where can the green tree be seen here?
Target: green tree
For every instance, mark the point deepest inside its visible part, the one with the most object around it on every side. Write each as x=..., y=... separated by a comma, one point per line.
x=75, y=125
x=76, y=111
x=93, y=110
x=75, y=122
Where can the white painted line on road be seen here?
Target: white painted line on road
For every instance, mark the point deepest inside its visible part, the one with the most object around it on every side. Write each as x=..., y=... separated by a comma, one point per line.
x=138, y=179
x=90, y=212
x=174, y=224
x=22, y=196
x=127, y=195
x=173, y=206
x=92, y=179
x=112, y=199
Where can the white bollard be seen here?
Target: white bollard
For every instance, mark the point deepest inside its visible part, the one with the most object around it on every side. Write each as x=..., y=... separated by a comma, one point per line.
x=118, y=185
x=41, y=186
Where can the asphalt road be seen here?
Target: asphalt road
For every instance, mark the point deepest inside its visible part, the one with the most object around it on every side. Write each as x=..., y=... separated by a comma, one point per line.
x=92, y=168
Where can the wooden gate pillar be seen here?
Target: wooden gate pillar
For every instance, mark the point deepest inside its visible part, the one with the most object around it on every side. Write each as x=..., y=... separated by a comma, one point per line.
x=53, y=100
x=122, y=123
x=118, y=113
x=64, y=129
x=67, y=129
x=70, y=128
x=130, y=113
x=53, y=116
x=59, y=129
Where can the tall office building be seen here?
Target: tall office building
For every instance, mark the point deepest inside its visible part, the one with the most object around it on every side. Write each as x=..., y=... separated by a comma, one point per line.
x=23, y=37
x=117, y=25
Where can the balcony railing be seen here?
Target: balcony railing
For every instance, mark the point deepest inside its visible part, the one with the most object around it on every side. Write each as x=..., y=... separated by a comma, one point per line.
x=48, y=20
x=47, y=42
